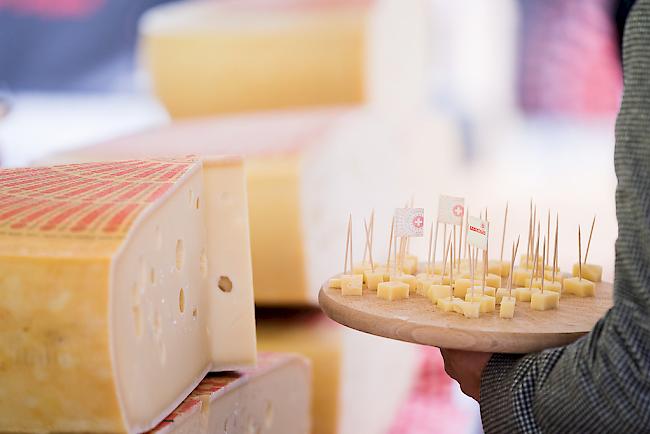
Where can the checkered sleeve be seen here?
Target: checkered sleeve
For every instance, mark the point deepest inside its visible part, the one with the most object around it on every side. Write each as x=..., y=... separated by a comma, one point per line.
x=600, y=383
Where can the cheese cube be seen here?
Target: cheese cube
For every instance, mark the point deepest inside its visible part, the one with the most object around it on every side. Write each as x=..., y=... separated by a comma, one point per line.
x=500, y=293
x=524, y=293
x=409, y=279
x=471, y=309
x=492, y=280
x=280, y=385
x=410, y=264
x=581, y=288
x=461, y=286
x=548, y=275
x=544, y=300
x=335, y=282
x=424, y=281
x=487, y=302
x=500, y=268
x=445, y=304
x=437, y=292
x=111, y=274
x=393, y=290
x=351, y=284
x=548, y=285
x=521, y=276
x=360, y=268
x=373, y=279
x=526, y=263
x=507, y=309
x=458, y=305
x=591, y=272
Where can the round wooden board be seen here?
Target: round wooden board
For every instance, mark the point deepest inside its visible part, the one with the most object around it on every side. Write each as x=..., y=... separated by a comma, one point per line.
x=417, y=320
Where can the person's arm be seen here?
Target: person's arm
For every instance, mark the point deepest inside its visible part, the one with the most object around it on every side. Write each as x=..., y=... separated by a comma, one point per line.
x=600, y=383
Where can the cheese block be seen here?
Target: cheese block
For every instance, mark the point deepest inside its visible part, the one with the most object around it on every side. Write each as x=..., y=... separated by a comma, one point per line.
x=305, y=172
x=250, y=55
x=500, y=268
x=273, y=398
x=548, y=285
x=436, y=292
x=110, y=275
x=471, y=309
x=335, y=282
x=521, y=276
x=591, y=272
x=409, y=279
x=349, y=381
x=373, y=278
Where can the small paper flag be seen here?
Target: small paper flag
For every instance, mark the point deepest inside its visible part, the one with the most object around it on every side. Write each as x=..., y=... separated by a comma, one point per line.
x=451, y=210
x=409, y=222
x=477, y=232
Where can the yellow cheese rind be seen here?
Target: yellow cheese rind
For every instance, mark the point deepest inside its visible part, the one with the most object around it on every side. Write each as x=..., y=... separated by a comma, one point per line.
x=579, y=287
x=590, y=272
x=393, y=290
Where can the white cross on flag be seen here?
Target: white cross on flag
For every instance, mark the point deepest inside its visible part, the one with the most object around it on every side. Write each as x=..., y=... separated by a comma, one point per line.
x=477, y=232
x=409, y=222
x=451, y=210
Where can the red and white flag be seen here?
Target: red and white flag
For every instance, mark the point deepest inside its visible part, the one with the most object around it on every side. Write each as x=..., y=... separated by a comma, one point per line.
x=409, y=222
x=451, y=210
x=477, y=232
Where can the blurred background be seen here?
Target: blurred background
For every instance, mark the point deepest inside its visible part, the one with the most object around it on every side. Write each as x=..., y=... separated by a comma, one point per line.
x=338, y=105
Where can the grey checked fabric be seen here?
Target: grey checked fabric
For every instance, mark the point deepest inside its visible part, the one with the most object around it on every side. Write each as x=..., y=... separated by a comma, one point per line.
x=600, y=383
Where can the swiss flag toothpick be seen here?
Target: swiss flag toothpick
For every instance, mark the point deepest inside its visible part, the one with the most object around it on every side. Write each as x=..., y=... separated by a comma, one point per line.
x=477, y=232
x=409, y=222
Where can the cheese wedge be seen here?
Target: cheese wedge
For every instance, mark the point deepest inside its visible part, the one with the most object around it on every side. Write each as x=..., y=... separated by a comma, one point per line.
x=296, y=203
x=246, y=55
x=273, y=398
x=591, y=272
x=111, y=274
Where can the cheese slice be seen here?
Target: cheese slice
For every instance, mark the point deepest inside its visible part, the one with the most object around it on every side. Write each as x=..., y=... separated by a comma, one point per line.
x=272, y=398
x=111, y=274
x=249, y=55
x=305, y=172
x=349, y=370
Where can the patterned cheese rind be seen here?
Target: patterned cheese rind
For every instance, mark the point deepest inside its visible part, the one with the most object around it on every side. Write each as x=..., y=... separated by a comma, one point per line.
x=84, y=201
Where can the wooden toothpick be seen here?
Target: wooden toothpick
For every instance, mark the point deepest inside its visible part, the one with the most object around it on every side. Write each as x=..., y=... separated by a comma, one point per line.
x=446, y=252
x=548, y=233
x=512, y=265
x=351, y=242
x=454, y=236
x=429, y=251
x=435, y=246
x=535, y=259
x=591, y=232
x=368, y=245
x=503, y=235
x=347, y=245
x=579, y=255
x=557, y=224
x=543, y=262
x=530, y=229
x=390, y=243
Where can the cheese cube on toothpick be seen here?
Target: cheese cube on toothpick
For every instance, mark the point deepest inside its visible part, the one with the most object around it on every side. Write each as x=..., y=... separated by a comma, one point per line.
x=461, y=286
x=360, y=268
x=500, y=293
x=352, y=284
x=471, y=309
x=499, y=268
x=373, y=279
x=544, y=300
x=507, y=309
x=409, y=279
x=446, y=304
x=487, y=302
x=521, y=276
x=590, y=272
x=524, y=293
x=579, y=287
x=410, y=264
x=436, y=292
x=548, y=285
x=335, y=282
x=394, y=290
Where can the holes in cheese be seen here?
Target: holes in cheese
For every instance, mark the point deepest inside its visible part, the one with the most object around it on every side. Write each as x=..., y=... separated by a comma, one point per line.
x=181, y=300
x=101, y=291
x=225, y=284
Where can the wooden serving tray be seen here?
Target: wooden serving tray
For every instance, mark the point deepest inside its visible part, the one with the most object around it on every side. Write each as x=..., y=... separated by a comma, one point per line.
x=417, y=320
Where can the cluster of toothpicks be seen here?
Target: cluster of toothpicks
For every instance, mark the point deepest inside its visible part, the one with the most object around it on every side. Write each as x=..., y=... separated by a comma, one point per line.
x=465, y=281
